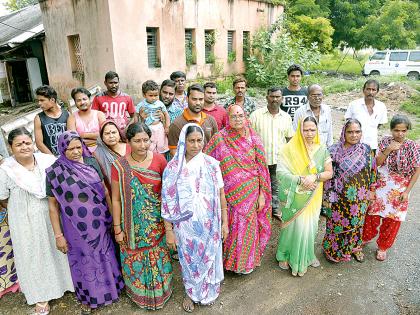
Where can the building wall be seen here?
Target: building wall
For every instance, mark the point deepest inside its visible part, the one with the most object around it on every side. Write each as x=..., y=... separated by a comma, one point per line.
x=90, y=20
x=113, y=36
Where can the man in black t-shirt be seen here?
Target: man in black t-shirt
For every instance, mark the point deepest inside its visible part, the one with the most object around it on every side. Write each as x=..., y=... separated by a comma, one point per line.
x=294, y=95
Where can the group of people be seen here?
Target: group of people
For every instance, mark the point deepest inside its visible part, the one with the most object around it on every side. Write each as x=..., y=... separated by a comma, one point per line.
x=119, y=192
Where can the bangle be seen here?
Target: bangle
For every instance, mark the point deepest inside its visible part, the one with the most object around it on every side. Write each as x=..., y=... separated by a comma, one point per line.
x=299, y=180
x=117, y=224
x=318, y=177
x=59, y=235
x=224, y=209
x=119, y=233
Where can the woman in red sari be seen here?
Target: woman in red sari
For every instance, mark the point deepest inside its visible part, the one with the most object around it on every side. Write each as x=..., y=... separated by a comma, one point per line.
x=247, y=187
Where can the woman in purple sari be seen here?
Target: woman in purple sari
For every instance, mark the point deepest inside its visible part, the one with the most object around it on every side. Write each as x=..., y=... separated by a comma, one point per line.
x=78, y=196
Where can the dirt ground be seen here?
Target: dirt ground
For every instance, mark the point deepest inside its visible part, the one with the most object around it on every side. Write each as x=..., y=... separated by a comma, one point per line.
x=391, y=287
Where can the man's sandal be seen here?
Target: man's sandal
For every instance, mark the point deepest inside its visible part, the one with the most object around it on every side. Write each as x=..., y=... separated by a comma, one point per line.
x=359, y=256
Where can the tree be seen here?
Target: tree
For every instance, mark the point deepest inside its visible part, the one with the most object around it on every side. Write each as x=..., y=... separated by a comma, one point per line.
x=307, y=8
x=14, y=5
x=348, y=16
x=312, y=30
x=396, y=26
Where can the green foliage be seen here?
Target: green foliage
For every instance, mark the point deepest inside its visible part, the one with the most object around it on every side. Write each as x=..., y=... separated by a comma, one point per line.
x=396, y=26
x=272, y=52
x=411, y=105
x=231, y=56
x=211, y=58
x=336, y=60
x=348, y=16
x=14, y=5
x=307, y=8
x=312, y=30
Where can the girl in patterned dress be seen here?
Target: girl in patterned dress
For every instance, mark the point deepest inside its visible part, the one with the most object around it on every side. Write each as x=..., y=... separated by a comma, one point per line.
x=398, y=163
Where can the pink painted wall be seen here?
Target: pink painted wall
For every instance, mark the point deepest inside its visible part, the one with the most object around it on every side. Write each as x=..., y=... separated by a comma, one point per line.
x=113, y=36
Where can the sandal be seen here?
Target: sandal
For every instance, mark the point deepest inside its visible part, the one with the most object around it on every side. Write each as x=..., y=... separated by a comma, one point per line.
x=315, y=263
x=381, y=255
x=188, y=304
x=174, y=255
x=85, y=309
x=42, y=308
x=359, y=256
x=284, y=265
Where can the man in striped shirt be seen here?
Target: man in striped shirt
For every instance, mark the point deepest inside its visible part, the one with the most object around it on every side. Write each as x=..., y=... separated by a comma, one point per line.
x=275, y=128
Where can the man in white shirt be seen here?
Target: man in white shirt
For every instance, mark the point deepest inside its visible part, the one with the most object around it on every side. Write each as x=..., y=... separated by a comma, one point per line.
x=275, y=129
x=370, y=112
x=320, y=111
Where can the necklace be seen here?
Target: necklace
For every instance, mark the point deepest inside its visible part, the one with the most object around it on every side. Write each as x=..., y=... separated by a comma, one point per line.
x=131, y=154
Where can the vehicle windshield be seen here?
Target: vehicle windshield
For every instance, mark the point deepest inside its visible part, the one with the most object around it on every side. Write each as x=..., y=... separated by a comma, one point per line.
x=379, y=55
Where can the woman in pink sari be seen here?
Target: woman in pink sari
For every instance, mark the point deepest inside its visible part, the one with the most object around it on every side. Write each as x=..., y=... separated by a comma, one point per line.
x=247, y=188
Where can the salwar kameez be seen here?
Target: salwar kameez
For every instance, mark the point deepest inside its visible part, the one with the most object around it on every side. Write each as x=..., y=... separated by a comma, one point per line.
x=387, y=211
x=300, y=208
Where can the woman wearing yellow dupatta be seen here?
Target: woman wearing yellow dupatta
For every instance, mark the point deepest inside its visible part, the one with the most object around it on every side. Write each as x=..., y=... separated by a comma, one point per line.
x=303, y=165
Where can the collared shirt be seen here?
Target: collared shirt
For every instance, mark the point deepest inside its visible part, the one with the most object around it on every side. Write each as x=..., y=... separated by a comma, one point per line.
x=174, y=111
x=358, y=110
x=273, y=131
x=249, y=104
x=183, y=103
x=325, y=128
x=207, y=123
x=219, y=114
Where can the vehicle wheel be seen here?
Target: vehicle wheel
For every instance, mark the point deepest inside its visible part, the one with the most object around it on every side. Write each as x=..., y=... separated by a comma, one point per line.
x=413, y=75
x=374, y=72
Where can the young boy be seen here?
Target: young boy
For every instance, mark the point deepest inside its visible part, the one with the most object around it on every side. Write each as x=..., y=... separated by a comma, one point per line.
x=51, y=122
x=153, y=108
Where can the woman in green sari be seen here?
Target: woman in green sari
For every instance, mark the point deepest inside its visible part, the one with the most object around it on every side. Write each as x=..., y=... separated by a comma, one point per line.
x=303, y=165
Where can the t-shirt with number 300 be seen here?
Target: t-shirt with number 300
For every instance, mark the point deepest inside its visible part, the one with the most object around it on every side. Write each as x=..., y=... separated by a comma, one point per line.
x=115, y=108
x=292, y=100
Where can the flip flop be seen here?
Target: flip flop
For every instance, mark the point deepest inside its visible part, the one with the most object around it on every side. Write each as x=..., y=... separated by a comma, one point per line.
x=359, y=256
x=381, y=255
x=42, y=309
x=188, y=304
x=284, y=265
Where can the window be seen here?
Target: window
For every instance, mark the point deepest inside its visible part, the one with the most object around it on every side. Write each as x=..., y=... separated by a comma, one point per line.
x=209, y=41
x=414, y=56
x=153, y=47
x=380, y=55
x=76, y=57
x=190, y=53
x=246, y=45
x=398, y=56
x=231, y=46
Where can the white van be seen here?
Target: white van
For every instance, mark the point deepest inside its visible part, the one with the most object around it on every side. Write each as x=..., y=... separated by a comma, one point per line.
x=405, y=62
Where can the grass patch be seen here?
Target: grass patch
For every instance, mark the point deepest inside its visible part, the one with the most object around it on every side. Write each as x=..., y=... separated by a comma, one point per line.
x=342, y=62
x=333, y=84
x=411, y=105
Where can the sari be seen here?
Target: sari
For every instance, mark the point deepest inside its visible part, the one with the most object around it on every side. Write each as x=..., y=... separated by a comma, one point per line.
x=346, y=198
x=145, y=259
x=8, y=276
x=245, y=175
x=394, y=176
x=300, y=208
x=191, y=201
x=86, y=222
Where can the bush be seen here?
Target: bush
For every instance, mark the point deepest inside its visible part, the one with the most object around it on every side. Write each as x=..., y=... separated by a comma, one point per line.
x=272, y=52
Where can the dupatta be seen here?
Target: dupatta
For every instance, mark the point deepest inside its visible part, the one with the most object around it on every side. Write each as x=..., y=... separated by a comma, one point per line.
x=177, y=202
x=294, y=161
x=75, y=186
